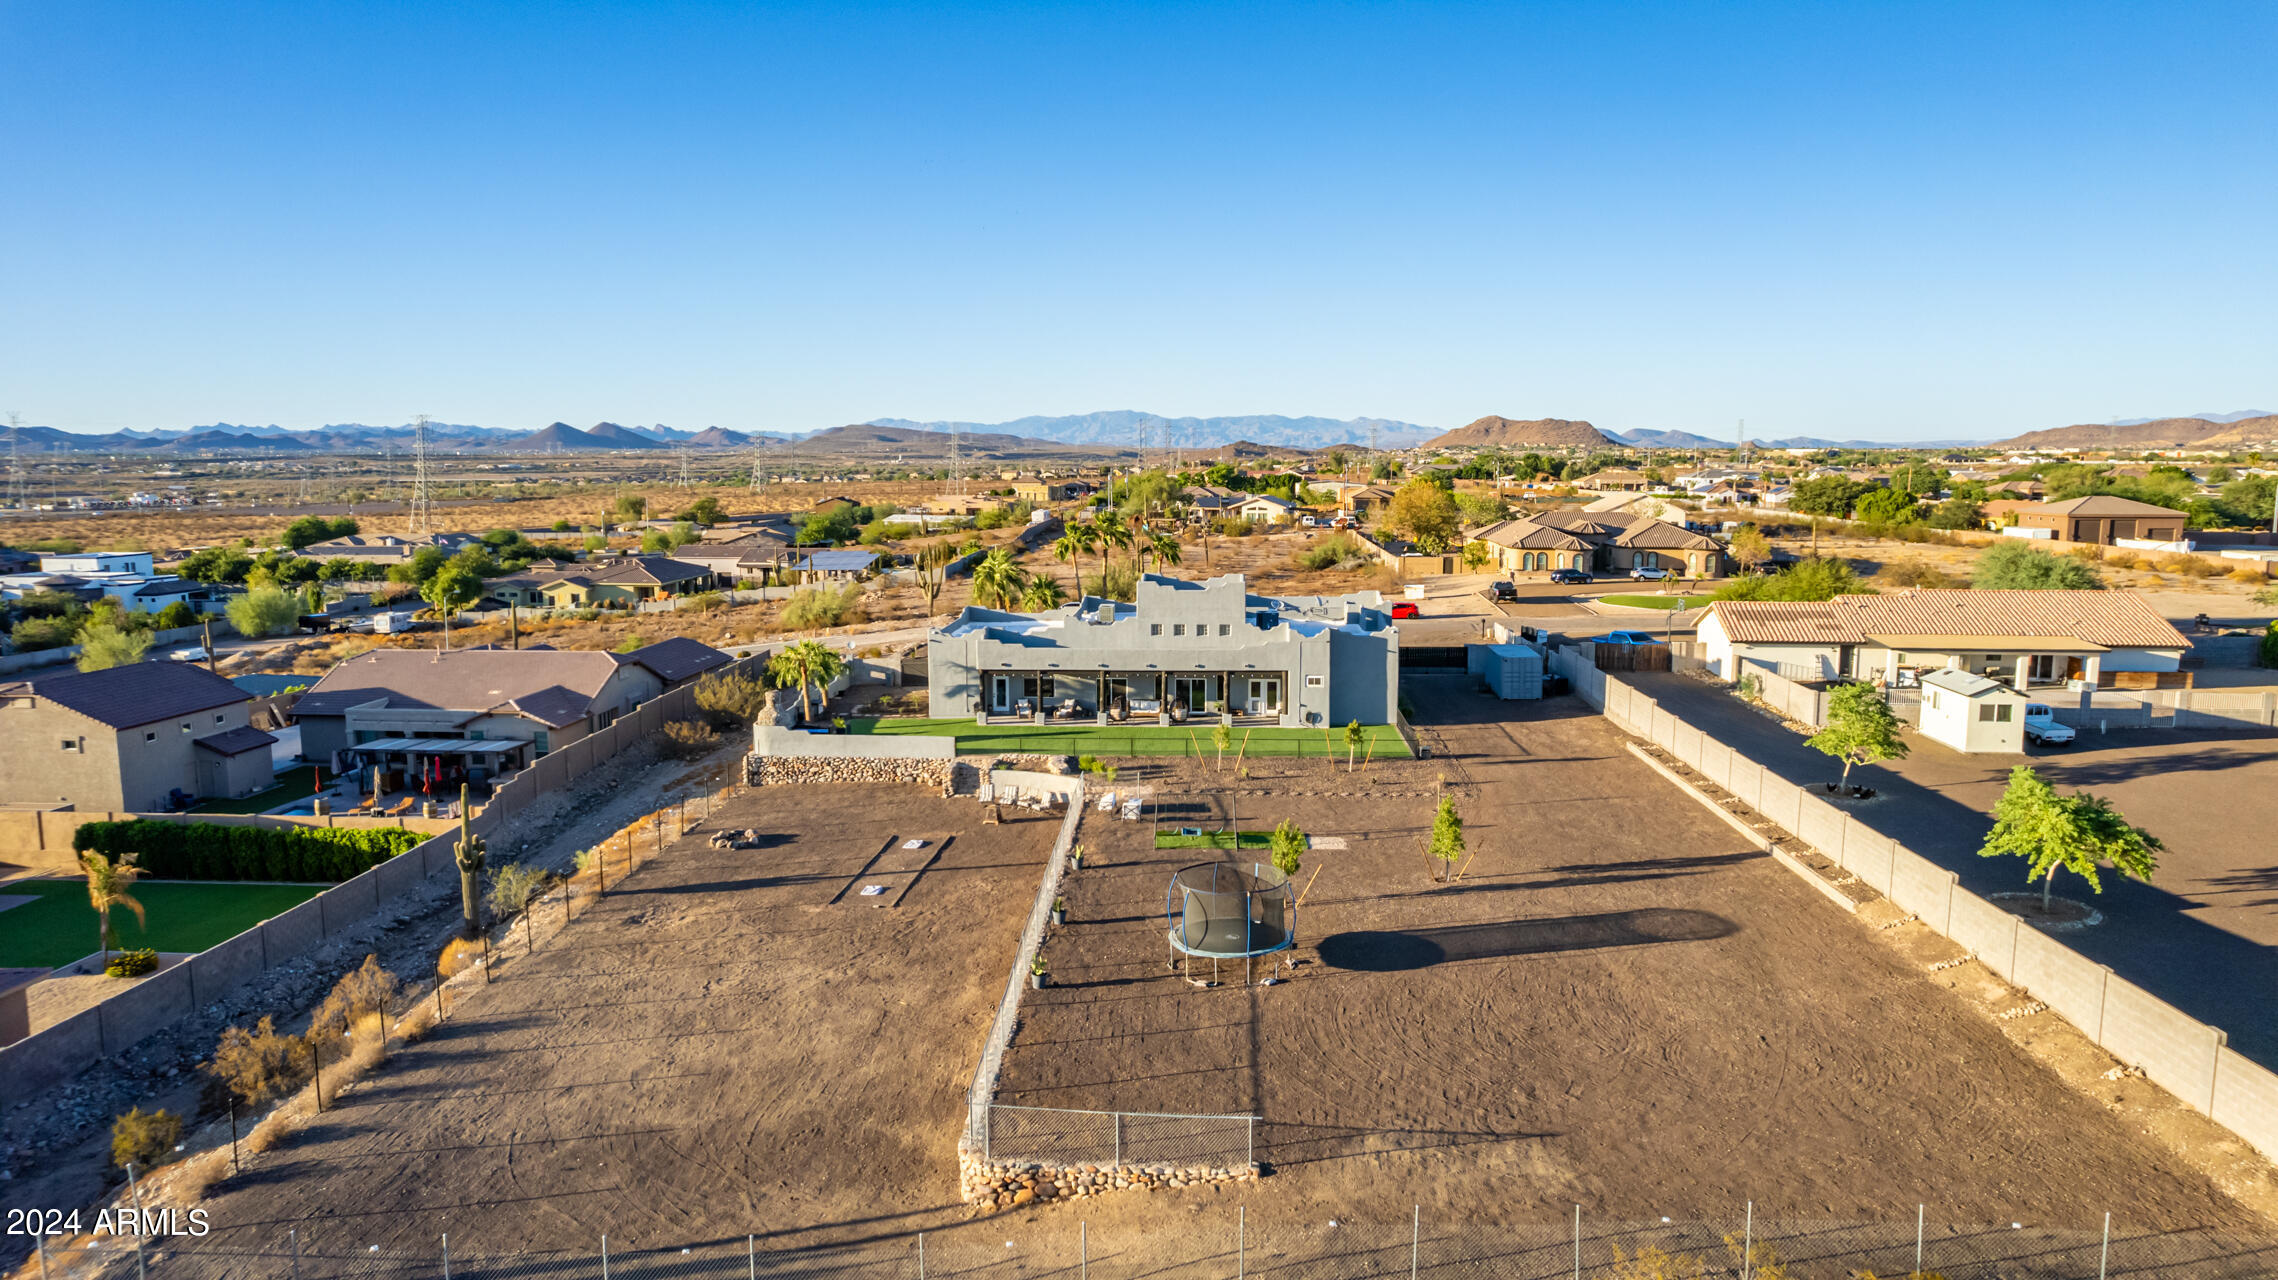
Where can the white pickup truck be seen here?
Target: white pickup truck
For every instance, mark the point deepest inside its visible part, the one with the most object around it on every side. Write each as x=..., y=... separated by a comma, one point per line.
x=2042, y=729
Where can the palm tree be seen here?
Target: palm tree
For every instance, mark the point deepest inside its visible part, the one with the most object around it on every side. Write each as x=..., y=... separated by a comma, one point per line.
x=1074, y=540
x=810, y=662
x=997, y=581
x=1163, y=548
x=108, y=883
x=1043, y=593
x=1114, y=534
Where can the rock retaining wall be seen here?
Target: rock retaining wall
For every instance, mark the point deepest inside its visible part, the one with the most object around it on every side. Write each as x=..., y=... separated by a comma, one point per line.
x=992, y=1185
x=766, y=771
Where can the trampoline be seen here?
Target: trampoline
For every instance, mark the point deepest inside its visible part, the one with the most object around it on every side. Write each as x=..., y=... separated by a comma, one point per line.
x=1229, y=911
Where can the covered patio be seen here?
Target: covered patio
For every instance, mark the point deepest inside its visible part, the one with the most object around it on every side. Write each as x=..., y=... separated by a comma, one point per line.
x=435, y=766
x=2017, y=661
x=1153, y=696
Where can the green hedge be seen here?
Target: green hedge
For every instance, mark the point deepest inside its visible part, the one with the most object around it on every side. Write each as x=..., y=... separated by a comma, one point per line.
x=213, y=851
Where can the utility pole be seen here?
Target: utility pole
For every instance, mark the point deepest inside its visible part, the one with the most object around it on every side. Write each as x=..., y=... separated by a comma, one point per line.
x=16, y=495
x=421, y=514
x=955, y=487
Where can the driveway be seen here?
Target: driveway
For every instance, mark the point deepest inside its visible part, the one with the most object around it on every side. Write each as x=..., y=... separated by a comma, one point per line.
x=2203, y=936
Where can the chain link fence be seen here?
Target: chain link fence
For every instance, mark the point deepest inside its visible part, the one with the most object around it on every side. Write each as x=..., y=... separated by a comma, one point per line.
x=1228, y=1245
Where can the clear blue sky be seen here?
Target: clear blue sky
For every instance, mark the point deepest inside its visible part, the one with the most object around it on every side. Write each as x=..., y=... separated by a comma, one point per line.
x=1893, y=221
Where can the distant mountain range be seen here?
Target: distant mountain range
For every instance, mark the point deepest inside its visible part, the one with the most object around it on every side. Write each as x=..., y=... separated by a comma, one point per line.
x=1510, y=433
x=1132, y=429
x=2236, y=415
x=2159, y=433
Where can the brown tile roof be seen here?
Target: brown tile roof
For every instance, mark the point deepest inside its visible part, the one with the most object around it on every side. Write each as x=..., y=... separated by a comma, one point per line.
x=553, y=686
x=234, y=742
x=139, y=693
x=2104, y=504
x=2113, y=619
x=678, y=658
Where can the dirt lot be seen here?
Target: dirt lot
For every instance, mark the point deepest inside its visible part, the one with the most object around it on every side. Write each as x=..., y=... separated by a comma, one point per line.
x=716, y=1049
x=1620, y=1005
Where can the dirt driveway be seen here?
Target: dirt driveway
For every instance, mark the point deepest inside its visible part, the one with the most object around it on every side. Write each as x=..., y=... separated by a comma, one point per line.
x=1622, y=1004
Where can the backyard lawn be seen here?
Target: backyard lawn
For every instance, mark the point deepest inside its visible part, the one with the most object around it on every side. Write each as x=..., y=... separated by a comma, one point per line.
x=1213, y=840
x=291, y=785
x=1139, y=740
x=58, y=927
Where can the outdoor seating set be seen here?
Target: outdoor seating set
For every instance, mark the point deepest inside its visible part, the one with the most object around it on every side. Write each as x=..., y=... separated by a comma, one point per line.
x=1035, y=798
x=1126, y=807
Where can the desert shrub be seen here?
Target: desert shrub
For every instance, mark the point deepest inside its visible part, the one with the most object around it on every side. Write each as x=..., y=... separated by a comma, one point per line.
x=144, y=1139
x=2145, y=564
x=132, y=964
x=2010, y=564
x=2247, y=575
x=1117, y=582
x=1919, y=575
x=688, y=740
x=1231, y=528
x=1337, y=551
x=211, y=851
x=514, y=887
x=458, y=956
x=260, y=1065
x=731, y=698
x=2190, y=566
x=704, y=601
x=363, y=995
x=263, y=611
x=824, y=606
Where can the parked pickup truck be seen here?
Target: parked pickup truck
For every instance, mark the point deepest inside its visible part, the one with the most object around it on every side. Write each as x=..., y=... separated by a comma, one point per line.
x=2042, y=729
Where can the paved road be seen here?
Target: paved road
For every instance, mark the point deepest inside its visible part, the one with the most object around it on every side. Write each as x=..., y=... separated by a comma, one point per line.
x=2183, y=938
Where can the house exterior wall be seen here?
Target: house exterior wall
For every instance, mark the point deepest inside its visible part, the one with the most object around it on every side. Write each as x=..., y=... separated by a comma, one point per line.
x=1950, y=718
x=1329, y=676
x=132, y=769
x=238, y=775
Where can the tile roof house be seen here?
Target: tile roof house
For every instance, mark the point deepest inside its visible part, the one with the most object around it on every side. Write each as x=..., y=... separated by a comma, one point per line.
x=2102, y=518
x=1599, y=542
x=386, y=548
x=625, y=581
x=545, y=698
x=134, y=738
x=2022, y=637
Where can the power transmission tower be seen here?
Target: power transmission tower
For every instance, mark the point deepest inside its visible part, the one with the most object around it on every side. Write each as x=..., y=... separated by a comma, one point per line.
x=757, y=455
x=955, y=488
x=16, y=496
x=422, y=515
x=1740, y=441
x=687, y=477
x=1372, y=447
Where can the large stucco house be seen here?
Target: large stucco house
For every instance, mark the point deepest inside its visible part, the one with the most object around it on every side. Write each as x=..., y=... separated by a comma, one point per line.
x=1180, y=650
x=132, y=739
x=1599, y=542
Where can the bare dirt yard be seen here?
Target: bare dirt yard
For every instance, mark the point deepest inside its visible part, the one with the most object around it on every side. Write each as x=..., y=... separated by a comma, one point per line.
x=728, y=1042
x=1622, y=1004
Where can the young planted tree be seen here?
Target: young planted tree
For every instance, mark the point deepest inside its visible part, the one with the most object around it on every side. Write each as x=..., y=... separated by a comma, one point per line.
x=1288, y=847
x=1043, y=592
x=1860, y=729
x=1749, y=548
x=263, y=611
x=2068, y=833
x=809, y=663
x=451, y=589
x=1353, y=738
x=1447, y=837
x=109, y=884
x=1222, y=737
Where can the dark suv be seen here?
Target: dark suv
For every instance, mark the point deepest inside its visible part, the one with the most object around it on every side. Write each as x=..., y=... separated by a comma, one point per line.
x=1500, y=589
x=1569, y=575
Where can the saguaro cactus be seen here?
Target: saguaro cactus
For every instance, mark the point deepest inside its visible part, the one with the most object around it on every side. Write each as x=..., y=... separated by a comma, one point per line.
x=469, y=851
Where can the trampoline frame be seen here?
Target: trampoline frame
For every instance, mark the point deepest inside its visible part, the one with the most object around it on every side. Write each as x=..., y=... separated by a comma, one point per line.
x=1174, y=904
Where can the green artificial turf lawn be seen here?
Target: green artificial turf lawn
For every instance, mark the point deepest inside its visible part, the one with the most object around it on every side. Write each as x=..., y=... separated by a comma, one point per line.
x=184, y=916
x=1140, y=740
x=1213, y=840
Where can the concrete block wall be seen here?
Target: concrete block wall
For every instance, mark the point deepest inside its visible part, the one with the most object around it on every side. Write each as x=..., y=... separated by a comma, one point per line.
x=2186, y=1057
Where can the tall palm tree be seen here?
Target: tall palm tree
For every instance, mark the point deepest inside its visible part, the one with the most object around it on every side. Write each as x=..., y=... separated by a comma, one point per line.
x=1114, y=534
x=1074, y=540
x=810, y=662
x=997, y=581
x=108, y=884
x=1163, y=548
x=1043, y=592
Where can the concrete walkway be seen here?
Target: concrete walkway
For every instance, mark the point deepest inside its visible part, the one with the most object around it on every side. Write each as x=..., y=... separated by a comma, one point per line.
x=2207, y=956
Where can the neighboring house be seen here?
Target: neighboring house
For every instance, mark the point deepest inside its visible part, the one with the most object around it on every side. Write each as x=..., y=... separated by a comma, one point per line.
x=1972, y=713
x=835, y=502
x=2022, y=637
x=1041, y=492
x=1180, y=650
x=757, y=555
x=462, y=704
x=1264, y=508
x=2105, y=519
x=1370, y=501
x=1618, y=480
x=626, y=581
x=386, y=548
x=1600, y=542
x=135, y=592
x=843, y=565
x=2002, y=512
x=129, y=739
x=679, y=660
x=1208, y=501
x=138, y=562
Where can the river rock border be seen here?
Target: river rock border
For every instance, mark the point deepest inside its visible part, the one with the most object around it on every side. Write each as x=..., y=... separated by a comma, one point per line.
x=996, y=1185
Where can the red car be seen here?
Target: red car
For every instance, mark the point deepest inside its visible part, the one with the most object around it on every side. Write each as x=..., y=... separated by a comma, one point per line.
x=1406, y=610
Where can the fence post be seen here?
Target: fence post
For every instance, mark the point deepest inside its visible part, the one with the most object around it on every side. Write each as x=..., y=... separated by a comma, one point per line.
x=295, y=1236
x=1577, y=1242
x=751, y=1256
x=136, y=1188
x=604, y=1255
x=2102, y=1258
x=1118, y=1139
x=1415, y=1239
x=1083, y=1251
x=1241, y=1242
x=1253, y=1139
x=921, y=1255
x=1918, y=1210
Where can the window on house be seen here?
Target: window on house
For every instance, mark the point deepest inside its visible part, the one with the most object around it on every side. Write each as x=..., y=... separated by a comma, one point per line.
x=1225, y=628
x=149, y=736
x=2004, y=716
x=217, y=719
x=1178, y=628
x=1154, y=628
x=185, y=726
x=539, y=742
x=1312, y=682
x=1985, y=712
x=71, y=744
